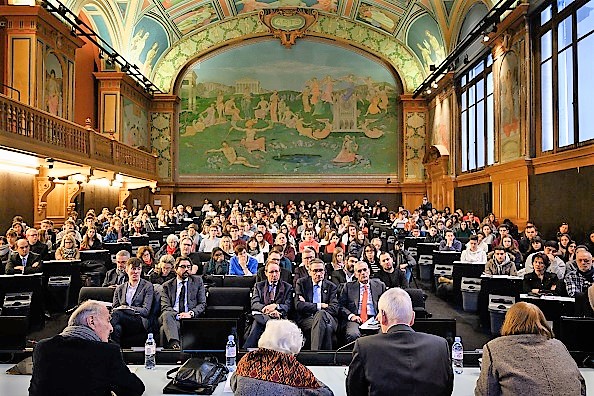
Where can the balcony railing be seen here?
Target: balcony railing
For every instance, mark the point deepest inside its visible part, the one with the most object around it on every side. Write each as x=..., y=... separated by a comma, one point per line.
x=21, y=120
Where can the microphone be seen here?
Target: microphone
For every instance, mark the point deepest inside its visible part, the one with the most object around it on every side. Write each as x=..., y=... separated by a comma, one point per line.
x=340, y=349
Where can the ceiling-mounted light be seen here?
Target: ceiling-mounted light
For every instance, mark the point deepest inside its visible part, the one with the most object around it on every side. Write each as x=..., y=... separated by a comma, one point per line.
x=486, y=38
x=428, y=91
x=434, y=85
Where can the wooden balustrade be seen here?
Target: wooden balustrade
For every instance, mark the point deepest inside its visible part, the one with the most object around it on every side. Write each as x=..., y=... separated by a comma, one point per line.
x=21, y=120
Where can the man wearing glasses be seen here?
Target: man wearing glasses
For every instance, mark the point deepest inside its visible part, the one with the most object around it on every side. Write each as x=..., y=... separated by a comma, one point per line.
x=185, y=248
x=302, y=271
x=271, y=299
x=183, y=297
x=317, y=306
x=358, y=300
x=117, y=276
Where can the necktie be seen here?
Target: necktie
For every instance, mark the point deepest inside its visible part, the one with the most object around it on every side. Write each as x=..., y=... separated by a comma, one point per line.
x=316, y=294
x=364, y=304
x=182, y=298
x=24, y=261
x=272, y=292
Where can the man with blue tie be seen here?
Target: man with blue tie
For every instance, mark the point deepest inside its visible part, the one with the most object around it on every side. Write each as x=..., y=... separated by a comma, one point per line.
x=358, y=300
x=23, y=261
x=317, y=306
x=183, y=297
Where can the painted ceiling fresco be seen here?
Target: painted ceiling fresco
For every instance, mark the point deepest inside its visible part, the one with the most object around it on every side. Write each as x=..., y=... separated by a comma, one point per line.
x=143, y=30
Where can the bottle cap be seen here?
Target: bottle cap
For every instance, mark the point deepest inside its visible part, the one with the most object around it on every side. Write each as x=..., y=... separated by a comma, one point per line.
x=150, y=336
x=231, y=337
x=457, y=339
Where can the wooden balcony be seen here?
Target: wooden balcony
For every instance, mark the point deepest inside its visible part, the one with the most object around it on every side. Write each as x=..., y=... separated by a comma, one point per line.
x=29, y=129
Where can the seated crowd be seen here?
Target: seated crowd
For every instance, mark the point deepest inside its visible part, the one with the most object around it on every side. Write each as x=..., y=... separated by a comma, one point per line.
x=312, y=263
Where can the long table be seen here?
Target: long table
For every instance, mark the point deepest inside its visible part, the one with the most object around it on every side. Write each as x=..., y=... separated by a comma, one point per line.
x=333, y=376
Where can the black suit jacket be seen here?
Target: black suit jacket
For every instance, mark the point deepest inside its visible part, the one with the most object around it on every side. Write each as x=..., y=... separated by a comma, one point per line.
x=73, y=366
x=307, y=308
x=41, y=249
x=349, y=297
x=284, y=293
x=196, y=293
x=14, y=260
x=111, y=278
x=400, y=362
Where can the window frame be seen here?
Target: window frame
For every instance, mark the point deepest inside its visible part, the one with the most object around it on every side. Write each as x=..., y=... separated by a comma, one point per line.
x=541, y=29
x=466, y=82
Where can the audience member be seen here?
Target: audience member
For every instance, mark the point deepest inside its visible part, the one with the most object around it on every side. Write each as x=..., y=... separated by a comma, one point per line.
x=316, y=305
x=358, y=300
x=273, y=369
x=210, y=242
x=35, y=245
x=399, y=360
x=171, y=247
x=185, y=250
x=580, y=280
x=23, y=261
x=302, y=271
x=242, y=263
x=472, y=254
x=346, y=274
x=218, y=264
x=117, y=276
x=91, y=240
x=450, y=243
x=132, y=302
x=67, y=249
x=500, y=263
x=540, y=280
x=147, y=255
x=80, y=359
x=163, y=271
x=271, y=299
x=527, y=360
x=182, y=298
x=390, y=276
x=556, y=265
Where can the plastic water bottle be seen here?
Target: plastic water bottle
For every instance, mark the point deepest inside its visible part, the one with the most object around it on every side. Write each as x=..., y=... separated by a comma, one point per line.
x=458, y=356
x=150, y=349
x=230, y=353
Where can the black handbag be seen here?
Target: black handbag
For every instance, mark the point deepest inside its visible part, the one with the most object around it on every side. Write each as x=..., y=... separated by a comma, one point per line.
x=196, y=376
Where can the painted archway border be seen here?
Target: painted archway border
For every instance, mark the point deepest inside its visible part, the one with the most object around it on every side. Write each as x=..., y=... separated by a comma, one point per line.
x=188, y=49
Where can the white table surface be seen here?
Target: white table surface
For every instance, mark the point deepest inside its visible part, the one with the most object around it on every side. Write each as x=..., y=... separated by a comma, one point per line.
x=333, y=376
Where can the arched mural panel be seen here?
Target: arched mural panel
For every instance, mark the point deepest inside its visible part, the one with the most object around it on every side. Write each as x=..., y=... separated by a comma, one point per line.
x=262, y=109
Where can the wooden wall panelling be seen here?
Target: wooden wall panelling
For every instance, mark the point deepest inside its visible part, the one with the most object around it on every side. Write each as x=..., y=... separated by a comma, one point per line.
x=511, y=191
x=16, y=198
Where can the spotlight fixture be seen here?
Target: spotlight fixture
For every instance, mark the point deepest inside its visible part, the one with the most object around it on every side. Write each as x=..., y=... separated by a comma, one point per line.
x=428, y=91
x=466, y=61
x=432, y=67
x=125, y=68
x=434, y=85
x=50, y=163
x=389, y=180
x=486, y=37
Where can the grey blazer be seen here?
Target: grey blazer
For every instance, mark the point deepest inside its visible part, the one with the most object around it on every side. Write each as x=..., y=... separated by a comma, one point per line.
x=196, y=295
x=349, y=297
x=142, y=300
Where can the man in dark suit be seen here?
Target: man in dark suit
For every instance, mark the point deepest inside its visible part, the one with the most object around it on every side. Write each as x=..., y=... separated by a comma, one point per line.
x=132, y=302
x=399, y=361
x=358, y=300
x=23, y=261
x=117, y=276
x=81, y=361
x=185, y=249
x=271, y=299
x=302, y=271
x=317, y=306
x=346, y=274
x=274, y=256
x=182, y=298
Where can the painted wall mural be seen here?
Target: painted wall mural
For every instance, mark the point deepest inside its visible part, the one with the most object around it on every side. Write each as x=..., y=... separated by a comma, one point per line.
x=509, y=107
x=440, y=119
x=190, y=15
x=424, y=38
x=414, y=136
x=262, y=109
x=53, y=82
x=244, y=6
x=161, y=143
x=135, y=129
x=148, y=42
x=377, y=17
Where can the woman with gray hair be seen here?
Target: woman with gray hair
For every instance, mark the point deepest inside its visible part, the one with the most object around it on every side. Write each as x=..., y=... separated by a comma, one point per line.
x=273, y=369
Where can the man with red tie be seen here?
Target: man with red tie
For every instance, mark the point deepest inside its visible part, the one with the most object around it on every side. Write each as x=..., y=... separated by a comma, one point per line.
x=358, y=300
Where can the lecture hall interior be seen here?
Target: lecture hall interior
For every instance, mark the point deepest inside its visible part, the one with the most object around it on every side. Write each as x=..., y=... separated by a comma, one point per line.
x=475, y=104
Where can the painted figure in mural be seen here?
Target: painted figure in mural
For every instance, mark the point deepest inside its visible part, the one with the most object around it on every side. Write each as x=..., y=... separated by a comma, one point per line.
x=54, y=93
x=220, y=108
x=328, y=89
x=305, y=99
x=231, y=155
x=373, y=107
x=274, y=106
x=250, y=142
x=232, y=110
x=261, y=110
x=376, y=17
x=304, y=131
x=436, y=48
x=150, y=57
x=282, y=107
x=384, y=101
x=348, y=152
x=251, y=5
x=326, y=5
x=246, y=105
x=201, y=17
x=138, y=44
x=324, y=132
x=315, y=91
x=372, y=133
